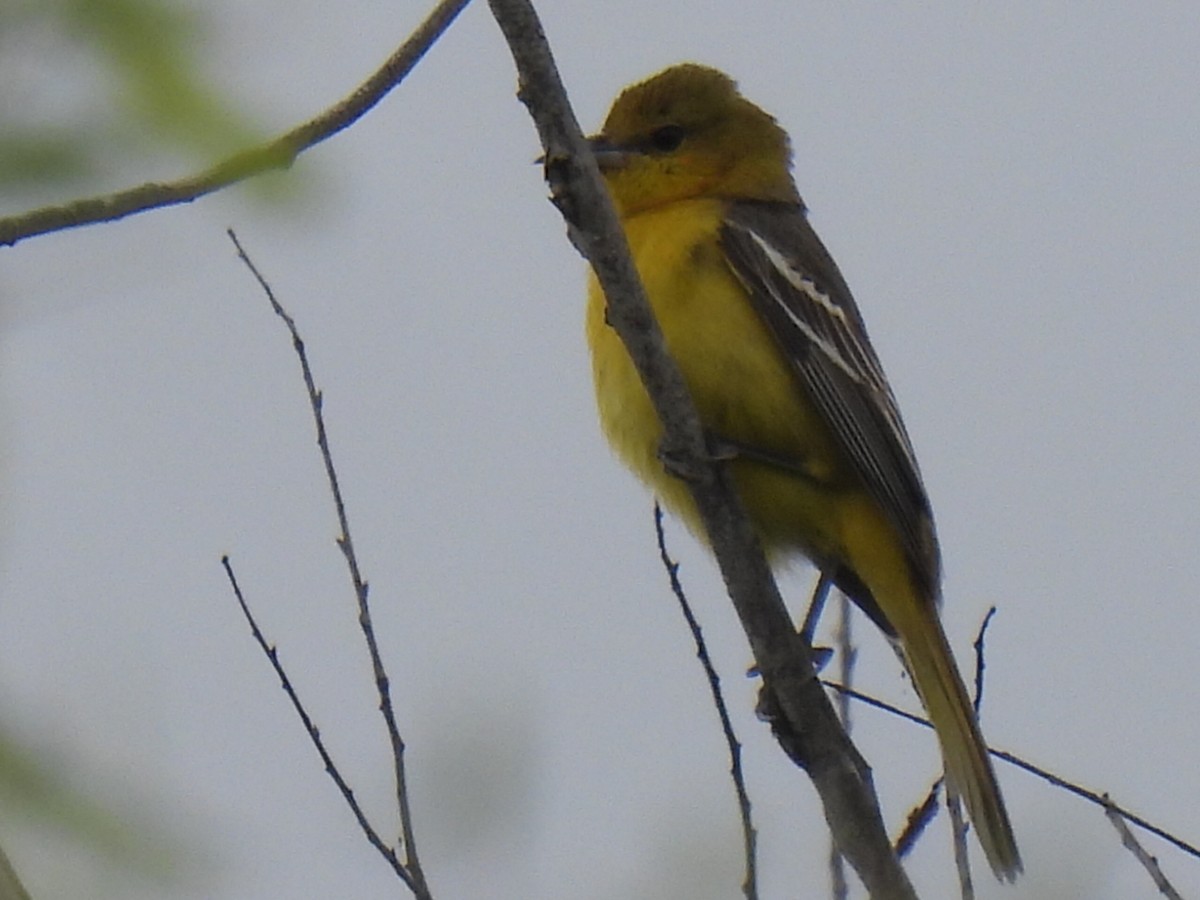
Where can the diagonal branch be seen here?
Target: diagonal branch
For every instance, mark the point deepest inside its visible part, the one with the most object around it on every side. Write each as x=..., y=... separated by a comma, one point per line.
x=805, y=718
x=278, y=153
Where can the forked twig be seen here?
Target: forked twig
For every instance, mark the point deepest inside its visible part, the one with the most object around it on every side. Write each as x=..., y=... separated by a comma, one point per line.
x=314, y=735
x=411, y=864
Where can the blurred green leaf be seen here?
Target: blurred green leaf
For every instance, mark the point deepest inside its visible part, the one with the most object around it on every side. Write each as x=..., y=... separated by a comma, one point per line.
x=150, y=84
x=33, y=791
x=151, y=48
x=30, y=156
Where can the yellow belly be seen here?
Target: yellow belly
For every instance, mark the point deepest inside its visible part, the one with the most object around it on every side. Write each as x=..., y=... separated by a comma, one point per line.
x=743, y=387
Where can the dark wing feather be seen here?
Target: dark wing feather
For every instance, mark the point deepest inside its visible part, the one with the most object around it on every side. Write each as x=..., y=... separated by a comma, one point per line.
x=800, y=294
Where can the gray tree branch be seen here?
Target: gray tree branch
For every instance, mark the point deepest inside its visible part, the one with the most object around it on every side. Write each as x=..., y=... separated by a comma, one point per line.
x=806, y=722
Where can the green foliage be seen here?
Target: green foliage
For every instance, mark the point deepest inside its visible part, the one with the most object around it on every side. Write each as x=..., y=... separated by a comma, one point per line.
x=144, y=83
x=35, y=793
x=150, y=46
x=32, y=155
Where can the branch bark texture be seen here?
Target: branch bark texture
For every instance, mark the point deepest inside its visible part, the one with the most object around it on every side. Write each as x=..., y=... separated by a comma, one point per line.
x=806, y=721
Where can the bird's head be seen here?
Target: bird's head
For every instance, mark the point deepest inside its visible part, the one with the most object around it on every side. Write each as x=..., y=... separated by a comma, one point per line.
x=687, y=132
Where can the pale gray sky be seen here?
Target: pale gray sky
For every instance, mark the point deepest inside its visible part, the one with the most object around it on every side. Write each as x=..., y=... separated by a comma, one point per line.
x=1011, y=192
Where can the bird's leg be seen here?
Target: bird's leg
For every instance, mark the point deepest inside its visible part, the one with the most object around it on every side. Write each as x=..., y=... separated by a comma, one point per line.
x=681, y=463
x=726, y=450
x=816, y=606
x=722, y=449
x=820, y=655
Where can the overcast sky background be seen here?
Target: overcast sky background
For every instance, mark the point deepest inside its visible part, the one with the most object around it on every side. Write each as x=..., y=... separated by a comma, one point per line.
x=1011, y=191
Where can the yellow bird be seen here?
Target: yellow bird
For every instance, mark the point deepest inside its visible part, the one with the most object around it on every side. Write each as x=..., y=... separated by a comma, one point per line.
x=776, y=355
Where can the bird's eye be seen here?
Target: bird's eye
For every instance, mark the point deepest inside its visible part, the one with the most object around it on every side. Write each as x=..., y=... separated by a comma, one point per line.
x=666, y=138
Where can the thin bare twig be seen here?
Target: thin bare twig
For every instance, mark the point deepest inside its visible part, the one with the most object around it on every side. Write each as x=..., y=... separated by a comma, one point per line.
x=361, y=589
x=1046, y=775
x=314, y=735
x=1149, y=863
x=749, y=834
x=980, y=654
x=918, y=820
x=804, y=717
x=278, y=153
x=962, y=862
x=1098, y=799
x=847, y=657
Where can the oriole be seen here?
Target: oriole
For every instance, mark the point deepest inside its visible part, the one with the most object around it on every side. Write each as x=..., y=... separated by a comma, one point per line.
x=777, y=359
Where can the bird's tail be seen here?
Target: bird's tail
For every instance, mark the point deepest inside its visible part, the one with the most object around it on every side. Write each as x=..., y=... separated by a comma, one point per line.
x=968, y=769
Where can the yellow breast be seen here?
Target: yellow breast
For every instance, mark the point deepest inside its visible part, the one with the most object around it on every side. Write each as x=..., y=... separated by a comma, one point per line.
x=743, y=387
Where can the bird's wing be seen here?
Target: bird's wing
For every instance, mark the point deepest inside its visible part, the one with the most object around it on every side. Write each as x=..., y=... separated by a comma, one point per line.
x=798, y=291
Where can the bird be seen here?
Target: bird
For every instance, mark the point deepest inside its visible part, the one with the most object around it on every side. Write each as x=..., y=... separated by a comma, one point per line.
x=776, y=357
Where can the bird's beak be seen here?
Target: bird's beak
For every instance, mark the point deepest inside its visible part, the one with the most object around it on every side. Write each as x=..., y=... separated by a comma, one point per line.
x=609, y=156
